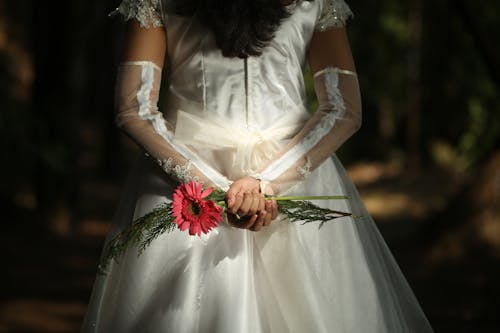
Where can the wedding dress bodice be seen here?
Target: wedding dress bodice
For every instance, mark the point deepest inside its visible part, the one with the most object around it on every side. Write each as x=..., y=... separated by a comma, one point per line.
x=249, y=101
x=233, y=117
x=252, y=93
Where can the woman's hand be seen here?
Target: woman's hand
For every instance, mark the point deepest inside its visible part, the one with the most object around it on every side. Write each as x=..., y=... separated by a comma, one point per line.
x=236, y=195
x=257, y=221
x=247, y=207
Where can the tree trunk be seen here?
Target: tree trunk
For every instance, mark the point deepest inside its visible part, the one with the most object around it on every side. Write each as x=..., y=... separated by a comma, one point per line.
x=414, y=86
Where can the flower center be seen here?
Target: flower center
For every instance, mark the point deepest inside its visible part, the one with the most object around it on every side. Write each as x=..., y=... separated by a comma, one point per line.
x=194, y=208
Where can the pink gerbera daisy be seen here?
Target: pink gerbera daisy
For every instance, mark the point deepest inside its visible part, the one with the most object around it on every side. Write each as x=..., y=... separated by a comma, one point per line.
x=192, y=211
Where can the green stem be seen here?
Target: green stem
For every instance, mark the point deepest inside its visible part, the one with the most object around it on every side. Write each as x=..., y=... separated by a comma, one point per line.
x=222, y=203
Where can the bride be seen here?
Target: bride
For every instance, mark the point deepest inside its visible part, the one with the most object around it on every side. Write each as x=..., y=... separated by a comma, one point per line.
x=234, y=116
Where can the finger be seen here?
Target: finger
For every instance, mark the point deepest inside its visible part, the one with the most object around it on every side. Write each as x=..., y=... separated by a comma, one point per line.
x=232, y=220
x=259, y=222
x=238, y=200
x=269, y=211
x=231, y=195
x=246, y=204
x=257, y=204
x=262, y=203
x=251, y=221
x=274, y=209
x=242, y=223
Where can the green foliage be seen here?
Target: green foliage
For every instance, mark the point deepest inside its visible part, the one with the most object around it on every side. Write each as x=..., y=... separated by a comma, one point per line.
x=306, y=212
x=458, y=89
x=311, y=97
x=480, y=135
x=141, y=233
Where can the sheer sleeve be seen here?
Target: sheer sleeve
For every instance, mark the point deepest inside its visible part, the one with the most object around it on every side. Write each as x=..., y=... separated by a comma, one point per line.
x=147, y=12
x=337, y=118
x=333, y=14
x=137, y=91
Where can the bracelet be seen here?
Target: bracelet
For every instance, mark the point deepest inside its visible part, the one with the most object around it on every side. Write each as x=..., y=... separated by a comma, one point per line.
x=262, y=183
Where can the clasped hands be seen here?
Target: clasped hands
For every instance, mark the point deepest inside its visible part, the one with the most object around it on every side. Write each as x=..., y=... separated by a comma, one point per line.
x=246, y=206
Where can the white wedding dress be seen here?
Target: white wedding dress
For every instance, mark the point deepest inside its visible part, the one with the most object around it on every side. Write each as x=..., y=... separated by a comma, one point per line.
x=230, y=116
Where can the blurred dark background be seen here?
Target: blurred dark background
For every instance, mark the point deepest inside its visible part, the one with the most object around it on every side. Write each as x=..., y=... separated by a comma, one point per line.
x=426, y=161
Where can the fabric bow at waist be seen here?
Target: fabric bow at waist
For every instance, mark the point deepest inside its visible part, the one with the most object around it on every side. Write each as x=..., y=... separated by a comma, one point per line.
x=250, y=149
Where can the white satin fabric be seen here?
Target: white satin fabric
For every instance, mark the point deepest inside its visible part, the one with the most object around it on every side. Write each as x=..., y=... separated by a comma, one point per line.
x=286, y=278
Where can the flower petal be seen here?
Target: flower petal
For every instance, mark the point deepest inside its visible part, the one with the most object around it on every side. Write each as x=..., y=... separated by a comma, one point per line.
x=207, y=192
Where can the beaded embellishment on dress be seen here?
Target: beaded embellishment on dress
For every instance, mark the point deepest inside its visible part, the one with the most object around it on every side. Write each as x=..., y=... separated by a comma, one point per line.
x=147, y=12
x=334, y=14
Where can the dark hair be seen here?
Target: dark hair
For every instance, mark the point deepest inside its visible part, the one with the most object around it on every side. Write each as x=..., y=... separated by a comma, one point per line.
x=241, y=28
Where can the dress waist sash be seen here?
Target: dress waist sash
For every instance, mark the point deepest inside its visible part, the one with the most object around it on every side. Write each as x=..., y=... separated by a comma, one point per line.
x=248, y=148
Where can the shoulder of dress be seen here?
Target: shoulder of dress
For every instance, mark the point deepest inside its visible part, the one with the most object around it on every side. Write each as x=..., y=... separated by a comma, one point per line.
x=334, y=13
x=147, y=12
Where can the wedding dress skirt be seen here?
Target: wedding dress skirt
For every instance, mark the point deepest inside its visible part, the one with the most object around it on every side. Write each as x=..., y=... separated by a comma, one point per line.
x=288, y=277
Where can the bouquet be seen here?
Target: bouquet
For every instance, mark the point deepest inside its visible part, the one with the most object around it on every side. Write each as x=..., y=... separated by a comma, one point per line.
x=200, y=210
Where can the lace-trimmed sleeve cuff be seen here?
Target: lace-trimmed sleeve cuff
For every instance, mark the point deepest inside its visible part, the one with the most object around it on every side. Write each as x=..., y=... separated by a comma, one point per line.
x=147, y=12
x=334, y=14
